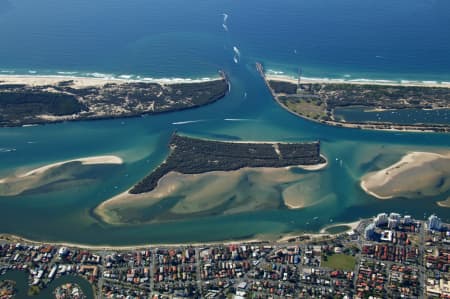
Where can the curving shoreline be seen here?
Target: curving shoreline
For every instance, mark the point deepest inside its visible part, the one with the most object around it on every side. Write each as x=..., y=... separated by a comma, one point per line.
x=47, y=175
x=319, y=111
x=401, y=179
x=32, y=100
x=173, y=181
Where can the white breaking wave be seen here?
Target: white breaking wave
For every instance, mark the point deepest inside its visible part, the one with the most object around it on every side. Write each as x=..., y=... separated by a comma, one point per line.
x=125, y=76
x=372, y=80
x=272, y=72
x=100, y=75
x=225, y=27
x=7, y=72
x=32, y=72
x=66, y=73
x=236, y=59
x=188, y=122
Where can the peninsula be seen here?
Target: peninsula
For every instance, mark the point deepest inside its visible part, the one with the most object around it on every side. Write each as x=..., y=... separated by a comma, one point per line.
x=240, y=176
x=319, y=100
x=27, y=100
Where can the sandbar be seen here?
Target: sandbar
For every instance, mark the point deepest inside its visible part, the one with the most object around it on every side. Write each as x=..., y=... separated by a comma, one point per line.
x=216, y=192
x=17, y=183
x=417, y=174
x=444, y=203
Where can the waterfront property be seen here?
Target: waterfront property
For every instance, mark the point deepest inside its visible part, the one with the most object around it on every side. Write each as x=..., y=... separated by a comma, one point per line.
x=414, y=264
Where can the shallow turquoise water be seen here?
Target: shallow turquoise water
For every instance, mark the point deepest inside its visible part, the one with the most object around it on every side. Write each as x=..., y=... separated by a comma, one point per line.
x=374, y=39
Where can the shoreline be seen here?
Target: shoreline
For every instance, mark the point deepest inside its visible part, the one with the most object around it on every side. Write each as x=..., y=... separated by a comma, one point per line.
x=94, y=160
x=283, y=238
x=410, y=161
x=392, y=127
x=127, y=196
x=86, y=81
x=306, y=80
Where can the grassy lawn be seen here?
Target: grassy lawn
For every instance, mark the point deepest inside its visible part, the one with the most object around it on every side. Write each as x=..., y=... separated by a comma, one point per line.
x=307, y=107
x=339, y=262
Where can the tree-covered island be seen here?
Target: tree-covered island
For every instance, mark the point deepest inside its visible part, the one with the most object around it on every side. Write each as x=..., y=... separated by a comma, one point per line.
x=193, y=156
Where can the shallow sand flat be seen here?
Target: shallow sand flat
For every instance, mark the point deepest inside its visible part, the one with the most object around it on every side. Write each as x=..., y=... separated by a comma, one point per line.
x=80, y=82
x=416, y=175
x=217, y=192
x=293, y=80
x=48, y=174
x=304, y=193
x=444, y=203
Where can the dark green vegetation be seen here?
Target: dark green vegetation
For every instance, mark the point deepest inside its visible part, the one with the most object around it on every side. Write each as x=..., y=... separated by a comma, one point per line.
x=22, y=104
x=318, y=101
x=193, y=156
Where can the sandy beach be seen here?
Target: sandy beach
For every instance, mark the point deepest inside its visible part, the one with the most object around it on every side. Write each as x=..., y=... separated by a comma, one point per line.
x=293, y=80
x=256, y=239
x=84, y=161
x=80, y=82
x=401, y=179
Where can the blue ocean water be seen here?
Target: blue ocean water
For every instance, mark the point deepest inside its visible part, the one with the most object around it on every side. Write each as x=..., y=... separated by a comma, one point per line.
x=394, y=40
x=374, y=39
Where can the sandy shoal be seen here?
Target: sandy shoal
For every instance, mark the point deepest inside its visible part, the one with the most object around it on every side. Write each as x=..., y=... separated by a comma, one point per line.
x=409, y=162
x=222, y=183
x=84, y=161
x=444, y=203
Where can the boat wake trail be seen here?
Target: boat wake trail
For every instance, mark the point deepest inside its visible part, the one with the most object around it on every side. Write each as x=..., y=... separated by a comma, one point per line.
x=224, y=24
x=188, y=122
x=237, y=54
x=237, y=119
x=7, y=150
